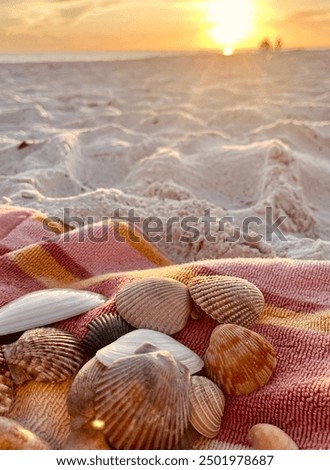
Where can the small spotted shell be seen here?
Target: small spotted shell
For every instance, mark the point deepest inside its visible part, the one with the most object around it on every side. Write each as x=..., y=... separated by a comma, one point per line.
x=207, y=406
x=239, y=360
x=45, y=355
x=268, y=437
x=160, y=304
x=227, y=299
x=143, y=401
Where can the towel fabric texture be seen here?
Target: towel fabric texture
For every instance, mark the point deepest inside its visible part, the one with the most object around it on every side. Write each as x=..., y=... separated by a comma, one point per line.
x=295, y=320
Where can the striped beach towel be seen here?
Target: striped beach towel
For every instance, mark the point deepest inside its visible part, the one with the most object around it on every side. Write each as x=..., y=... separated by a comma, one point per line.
x=295, y=320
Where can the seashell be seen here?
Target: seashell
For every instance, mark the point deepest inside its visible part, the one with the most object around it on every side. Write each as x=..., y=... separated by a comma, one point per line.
x=89, y=438
x=128, y=344
x=104, y=330
x=82, y=392
x=268, y=437
x=227, y=299
x=6, y=385
x=157, y=303
x=41, y=407
x=13, y=436
x=207, y=405
x=44, y=307
x=45, y=355
x=143, y=401
x=239, y=360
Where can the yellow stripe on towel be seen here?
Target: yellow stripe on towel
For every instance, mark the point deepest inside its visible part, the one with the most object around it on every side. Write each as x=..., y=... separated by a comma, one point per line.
x=318, y=321
x=37, y=263
x=143, y=246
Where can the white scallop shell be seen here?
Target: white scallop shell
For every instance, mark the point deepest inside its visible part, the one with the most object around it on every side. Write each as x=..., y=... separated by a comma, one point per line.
x=44, y=307
x=128, y=344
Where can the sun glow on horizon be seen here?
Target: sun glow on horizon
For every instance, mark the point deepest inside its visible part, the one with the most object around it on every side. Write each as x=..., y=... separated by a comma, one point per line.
x=228, y=22
x=227, y=51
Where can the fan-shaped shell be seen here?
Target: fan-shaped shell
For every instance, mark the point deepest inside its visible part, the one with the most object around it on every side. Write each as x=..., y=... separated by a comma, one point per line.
x=86, y=439
x=82, y=392
x=227, y=299
x=6, y=385
x=45, y=355
x=143, y=401
x=207, y=406
x=239, y=360
x=160, y=304
x=44, y=307
x=268, y=437
x=128, y=344
x=13, y=436
x=104, y=330
x=41, y=407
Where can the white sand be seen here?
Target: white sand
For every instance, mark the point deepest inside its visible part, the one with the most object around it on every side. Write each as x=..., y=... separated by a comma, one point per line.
x=176, y=136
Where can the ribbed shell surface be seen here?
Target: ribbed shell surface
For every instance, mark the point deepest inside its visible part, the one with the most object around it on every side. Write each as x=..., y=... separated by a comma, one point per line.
x=144, y=401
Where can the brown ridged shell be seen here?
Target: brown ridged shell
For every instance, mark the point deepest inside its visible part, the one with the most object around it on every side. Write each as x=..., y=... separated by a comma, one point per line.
x=227, y=299
x=157, y=303
x=41, y=407
x=82, y=392
x=45, y=355
x=207, y=405
x=143, y=401
x=239, y=360
x=104, y=330
x=268, y=437
x=14, y=436
x=86, y=438
x=6, y=385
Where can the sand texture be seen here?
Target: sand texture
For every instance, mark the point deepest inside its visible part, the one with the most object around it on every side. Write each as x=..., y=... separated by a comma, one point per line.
x=176, y=137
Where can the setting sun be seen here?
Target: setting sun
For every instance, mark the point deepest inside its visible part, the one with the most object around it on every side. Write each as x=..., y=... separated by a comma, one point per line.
x=229, y=21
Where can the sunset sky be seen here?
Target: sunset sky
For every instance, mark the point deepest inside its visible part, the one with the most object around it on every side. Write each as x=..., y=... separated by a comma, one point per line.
x=110, y=25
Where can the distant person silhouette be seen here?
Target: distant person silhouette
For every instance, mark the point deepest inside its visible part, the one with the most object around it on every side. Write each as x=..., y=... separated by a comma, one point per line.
x=265, y=45
x=278, y=44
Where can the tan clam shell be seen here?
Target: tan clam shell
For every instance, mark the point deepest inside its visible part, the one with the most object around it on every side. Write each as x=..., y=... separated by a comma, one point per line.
x=6, y=385
x=41, y=407
x=44, y=354
x=160, y=304
x=14, y=436
x=268, y=437
x=129, y=343
x=227, y=299
x=207, y=406
x=239, y=360
x=143, y=401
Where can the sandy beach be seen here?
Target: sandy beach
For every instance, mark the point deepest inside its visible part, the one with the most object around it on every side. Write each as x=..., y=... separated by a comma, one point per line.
x=195, y=135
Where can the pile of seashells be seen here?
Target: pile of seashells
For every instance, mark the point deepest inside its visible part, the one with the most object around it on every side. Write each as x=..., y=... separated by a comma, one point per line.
x=129, y=384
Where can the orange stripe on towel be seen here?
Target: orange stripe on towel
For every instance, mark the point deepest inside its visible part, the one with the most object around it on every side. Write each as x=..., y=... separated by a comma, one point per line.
x=142, y=245
x=40, y=265
x=276, y=316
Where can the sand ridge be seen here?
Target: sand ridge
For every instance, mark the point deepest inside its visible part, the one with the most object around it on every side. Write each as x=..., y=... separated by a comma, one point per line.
x=176, y=136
